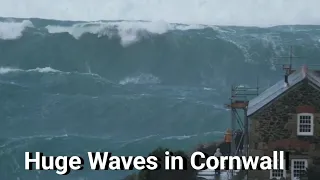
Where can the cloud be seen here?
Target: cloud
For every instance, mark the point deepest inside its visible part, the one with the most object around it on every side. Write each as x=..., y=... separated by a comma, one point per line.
x=211, y=12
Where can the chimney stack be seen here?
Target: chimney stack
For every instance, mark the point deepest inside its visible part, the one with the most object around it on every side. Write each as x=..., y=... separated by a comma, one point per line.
x=304, y=70
x=286, y=79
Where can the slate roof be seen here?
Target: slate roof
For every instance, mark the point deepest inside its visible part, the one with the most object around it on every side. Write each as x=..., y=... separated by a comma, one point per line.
x=280, y=87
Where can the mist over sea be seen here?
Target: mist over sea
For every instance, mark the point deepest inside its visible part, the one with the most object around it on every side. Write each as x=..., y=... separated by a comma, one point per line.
x=127, y=87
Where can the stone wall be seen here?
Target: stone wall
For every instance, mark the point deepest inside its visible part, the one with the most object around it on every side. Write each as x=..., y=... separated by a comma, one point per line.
x=275, y=126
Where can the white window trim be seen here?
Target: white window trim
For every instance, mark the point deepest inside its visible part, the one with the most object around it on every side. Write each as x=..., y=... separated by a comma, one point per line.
x=284, y=173
x=292, y=166
x=312, y=125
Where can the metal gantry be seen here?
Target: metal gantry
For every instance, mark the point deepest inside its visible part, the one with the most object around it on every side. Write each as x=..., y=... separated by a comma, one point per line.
x=239, y=101
x=238, y=106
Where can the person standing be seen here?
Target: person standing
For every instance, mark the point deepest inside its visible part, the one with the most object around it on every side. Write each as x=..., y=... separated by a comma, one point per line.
x=227, y=140
x=217, y=154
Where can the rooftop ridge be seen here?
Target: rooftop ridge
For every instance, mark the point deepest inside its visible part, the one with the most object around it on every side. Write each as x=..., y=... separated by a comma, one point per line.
x=281, y=86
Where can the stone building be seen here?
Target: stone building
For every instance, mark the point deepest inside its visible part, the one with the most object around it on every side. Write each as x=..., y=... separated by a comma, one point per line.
x=287, y=117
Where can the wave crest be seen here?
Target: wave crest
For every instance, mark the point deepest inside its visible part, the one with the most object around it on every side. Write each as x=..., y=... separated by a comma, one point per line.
x=128, y=31
x=141, y=79
x=13, y=30
x=6, y=70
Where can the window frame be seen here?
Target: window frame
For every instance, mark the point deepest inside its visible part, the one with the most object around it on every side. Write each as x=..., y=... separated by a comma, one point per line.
x=292, y=167
x=283, y=171
x=311, y=133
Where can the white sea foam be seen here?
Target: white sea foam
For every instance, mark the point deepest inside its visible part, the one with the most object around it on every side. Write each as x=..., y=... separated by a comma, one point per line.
x=140, y=79
x=6, y=70
x=128, y=31
x=13, y=30
x=131, y=32
x=178, y=137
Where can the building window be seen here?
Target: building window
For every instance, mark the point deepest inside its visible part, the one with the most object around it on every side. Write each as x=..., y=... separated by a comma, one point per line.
x=277, y=173
x=298, y=168
x=305, y=124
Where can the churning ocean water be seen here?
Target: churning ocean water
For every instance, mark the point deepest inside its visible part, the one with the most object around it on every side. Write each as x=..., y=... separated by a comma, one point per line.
x=127, y=87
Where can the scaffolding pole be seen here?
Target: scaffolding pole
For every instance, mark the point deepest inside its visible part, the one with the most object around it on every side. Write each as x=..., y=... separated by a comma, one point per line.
x=239, y=102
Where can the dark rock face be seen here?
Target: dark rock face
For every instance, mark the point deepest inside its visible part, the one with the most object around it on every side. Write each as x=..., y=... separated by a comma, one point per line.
x=274, y=127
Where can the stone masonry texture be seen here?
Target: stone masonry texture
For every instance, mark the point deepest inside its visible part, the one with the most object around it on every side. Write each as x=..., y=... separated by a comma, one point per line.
x=274, y=127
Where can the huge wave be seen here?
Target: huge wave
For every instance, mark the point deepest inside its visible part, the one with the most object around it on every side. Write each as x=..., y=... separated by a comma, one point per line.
x=127, y=87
